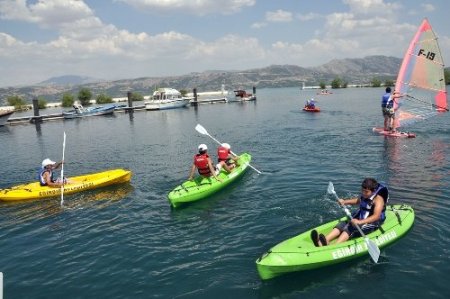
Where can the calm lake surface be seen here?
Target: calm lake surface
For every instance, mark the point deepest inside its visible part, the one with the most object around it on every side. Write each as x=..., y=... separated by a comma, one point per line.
x=126, y=241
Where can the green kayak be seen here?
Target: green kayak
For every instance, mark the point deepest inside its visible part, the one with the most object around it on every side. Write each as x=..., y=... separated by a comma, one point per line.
x=202, y=187
x=299, y=253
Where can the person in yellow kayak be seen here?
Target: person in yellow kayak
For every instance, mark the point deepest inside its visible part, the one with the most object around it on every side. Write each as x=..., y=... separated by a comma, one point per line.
x=370, y=216
x=225, y=158
x=203, y=163
x=46, y=174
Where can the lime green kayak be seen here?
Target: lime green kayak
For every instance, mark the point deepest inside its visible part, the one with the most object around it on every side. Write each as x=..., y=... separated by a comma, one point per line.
x=202, y=187
x=300, y=254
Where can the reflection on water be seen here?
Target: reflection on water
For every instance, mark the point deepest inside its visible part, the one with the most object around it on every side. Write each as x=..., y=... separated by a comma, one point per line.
x=24, y=211
x=417, y=170
x=38, y=129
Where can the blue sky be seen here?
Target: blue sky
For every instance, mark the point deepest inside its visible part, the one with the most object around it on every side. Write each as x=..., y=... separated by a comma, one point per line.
x=125, y=39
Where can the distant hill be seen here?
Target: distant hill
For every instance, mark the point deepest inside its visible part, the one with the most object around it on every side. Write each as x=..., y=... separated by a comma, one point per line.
x=353, y=71
x=371, y=65
x=68, y=80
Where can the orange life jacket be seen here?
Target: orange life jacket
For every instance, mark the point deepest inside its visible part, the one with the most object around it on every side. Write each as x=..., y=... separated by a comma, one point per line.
x=201, y=162
x=222, y=153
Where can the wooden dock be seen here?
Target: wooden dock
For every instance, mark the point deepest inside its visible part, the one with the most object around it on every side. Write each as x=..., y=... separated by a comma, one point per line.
x=58, y=116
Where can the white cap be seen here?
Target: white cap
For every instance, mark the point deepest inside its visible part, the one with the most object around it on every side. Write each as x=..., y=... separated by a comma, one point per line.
x=47, y=162
x=226, y=145
x=202, y=147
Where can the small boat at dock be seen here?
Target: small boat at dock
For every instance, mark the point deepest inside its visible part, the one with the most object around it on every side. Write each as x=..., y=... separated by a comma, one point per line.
x=166, y=98
x=4, y=116
x=80, y=111
x=241, y=95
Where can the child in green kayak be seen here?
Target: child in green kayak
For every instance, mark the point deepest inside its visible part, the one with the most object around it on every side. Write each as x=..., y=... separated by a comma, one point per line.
x=370, y=216
x=225, y=158
x=203, y=163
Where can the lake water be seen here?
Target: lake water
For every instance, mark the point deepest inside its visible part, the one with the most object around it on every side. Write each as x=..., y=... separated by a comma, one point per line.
x=126, y=241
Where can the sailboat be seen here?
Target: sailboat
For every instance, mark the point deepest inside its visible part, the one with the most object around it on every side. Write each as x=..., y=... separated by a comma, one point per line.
x=420, y=82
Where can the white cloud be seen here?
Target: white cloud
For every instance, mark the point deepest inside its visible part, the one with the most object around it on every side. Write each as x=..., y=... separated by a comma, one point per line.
x=371, y=7
x=87, y=46
x=428, y=7
x=359, y=32
x=308, y=16
x=15, y=10
x=279, y=16
x=198, y=7
x=47, y=13
x=258, y=25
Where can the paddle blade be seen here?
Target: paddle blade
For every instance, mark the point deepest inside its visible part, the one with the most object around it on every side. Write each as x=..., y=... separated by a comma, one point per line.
x=199, y=128
x=330, y=189
x=374, y=251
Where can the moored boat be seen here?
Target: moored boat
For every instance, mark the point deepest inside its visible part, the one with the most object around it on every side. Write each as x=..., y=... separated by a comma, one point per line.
x=202, y=187
x=242, y=95
x=79, y=111
x=300, y=254
x=75, y=184
x=4, y=116
x=166, y=98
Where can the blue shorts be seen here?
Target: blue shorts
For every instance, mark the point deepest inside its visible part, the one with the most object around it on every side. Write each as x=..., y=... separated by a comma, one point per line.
x=352, y=231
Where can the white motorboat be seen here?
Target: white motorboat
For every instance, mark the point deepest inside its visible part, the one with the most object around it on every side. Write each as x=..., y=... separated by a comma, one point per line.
x=166, y=98
x=4, y=116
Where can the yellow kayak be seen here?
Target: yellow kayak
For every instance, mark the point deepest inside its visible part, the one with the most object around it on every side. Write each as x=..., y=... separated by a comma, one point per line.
x=75, y=184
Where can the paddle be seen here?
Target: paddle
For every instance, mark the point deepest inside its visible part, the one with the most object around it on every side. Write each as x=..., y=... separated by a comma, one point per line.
x=203, y=131
x=374, y=251
x=425, y=102
x=62, y=169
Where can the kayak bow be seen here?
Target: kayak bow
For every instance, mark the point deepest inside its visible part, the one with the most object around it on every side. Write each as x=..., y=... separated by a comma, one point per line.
x=300, y=254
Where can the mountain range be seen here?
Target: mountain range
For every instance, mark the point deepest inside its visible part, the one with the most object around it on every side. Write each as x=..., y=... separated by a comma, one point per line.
x=353, y=71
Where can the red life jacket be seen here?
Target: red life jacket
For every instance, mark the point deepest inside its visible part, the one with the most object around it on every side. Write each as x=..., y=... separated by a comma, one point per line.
x=201, y=162
x=222, y=153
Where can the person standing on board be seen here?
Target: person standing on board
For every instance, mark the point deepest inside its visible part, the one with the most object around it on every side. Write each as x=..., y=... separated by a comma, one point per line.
x=225, y=158
x=46, y=174
x=370, y=216
x=387, y=107
x=203, y=163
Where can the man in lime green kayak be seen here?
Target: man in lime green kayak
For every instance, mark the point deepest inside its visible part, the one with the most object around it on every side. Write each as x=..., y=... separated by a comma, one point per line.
x=203, y=163
x=370, y=216
x=46, y=174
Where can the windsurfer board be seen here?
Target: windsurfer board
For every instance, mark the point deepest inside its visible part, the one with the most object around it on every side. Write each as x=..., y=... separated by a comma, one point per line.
x=381, y=131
